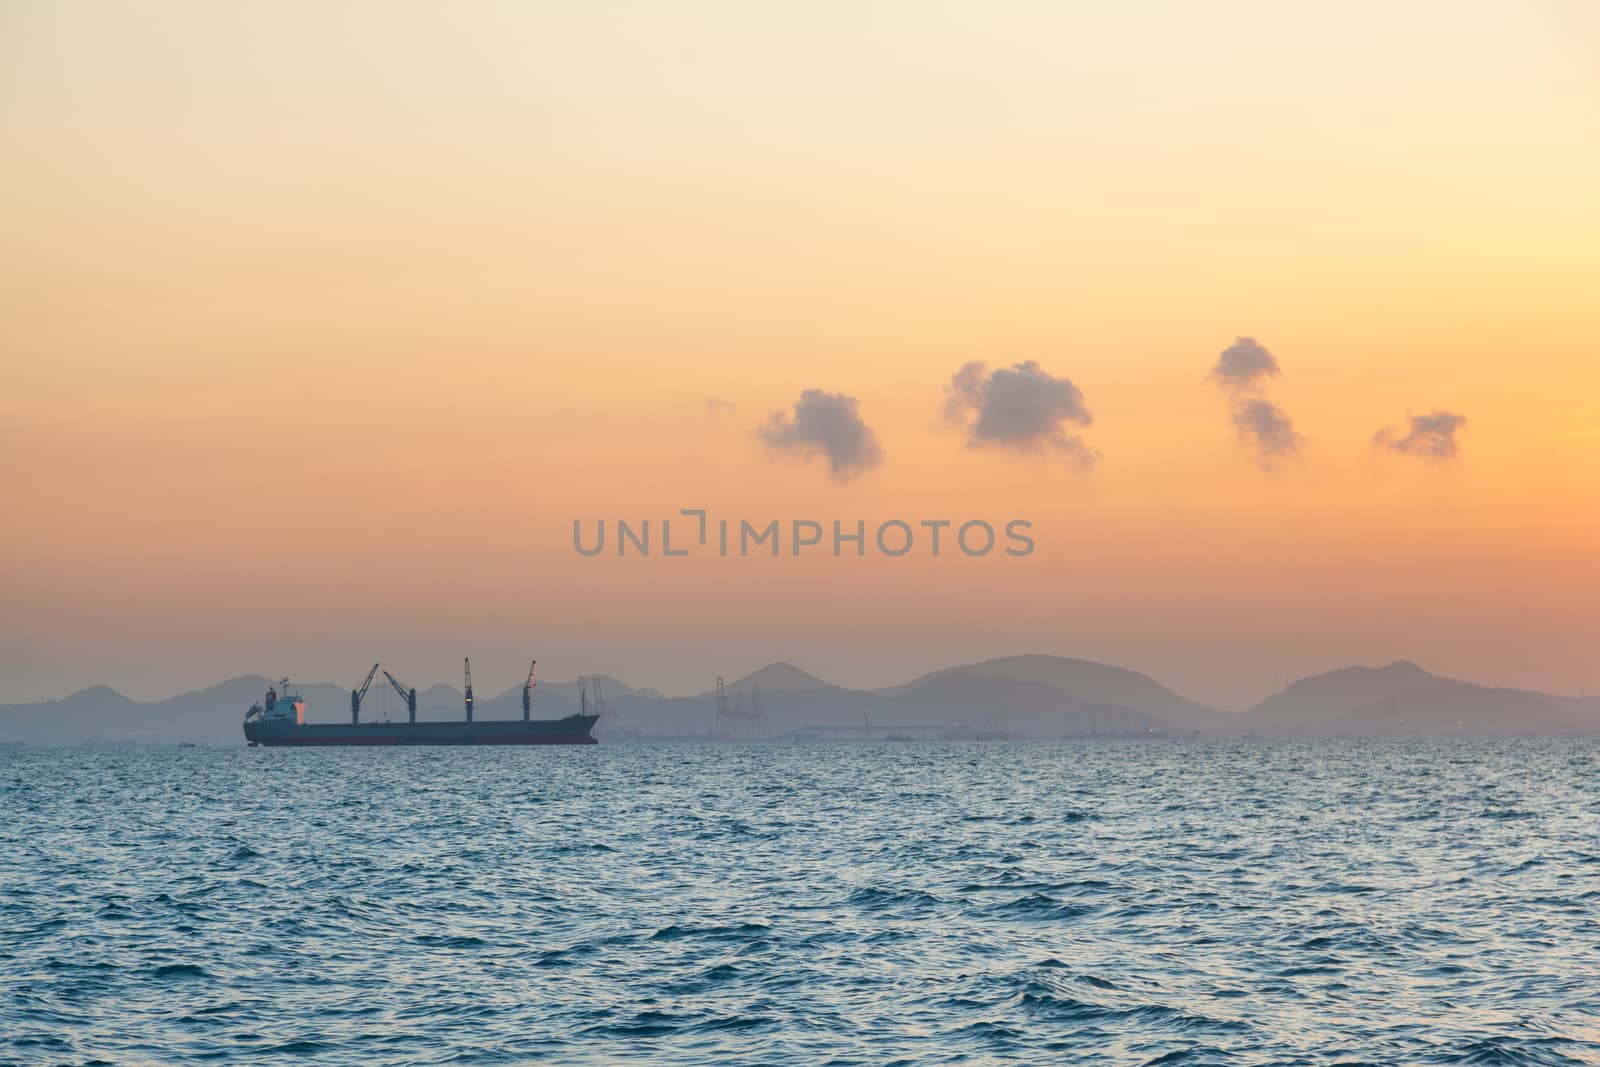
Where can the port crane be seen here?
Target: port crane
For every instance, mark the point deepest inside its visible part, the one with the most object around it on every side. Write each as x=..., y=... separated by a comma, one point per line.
x=358, y=695
x=408, y=695
x=468, y=667
x=527, y=692
x=731, y=716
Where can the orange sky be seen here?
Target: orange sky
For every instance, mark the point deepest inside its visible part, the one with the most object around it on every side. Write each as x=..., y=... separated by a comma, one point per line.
x=320, y=327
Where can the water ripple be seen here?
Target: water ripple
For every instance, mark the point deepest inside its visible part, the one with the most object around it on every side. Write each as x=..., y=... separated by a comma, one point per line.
x=1120, y=903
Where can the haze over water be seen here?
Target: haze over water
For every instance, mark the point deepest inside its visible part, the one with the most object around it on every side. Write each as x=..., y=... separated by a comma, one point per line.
x=1234, y=902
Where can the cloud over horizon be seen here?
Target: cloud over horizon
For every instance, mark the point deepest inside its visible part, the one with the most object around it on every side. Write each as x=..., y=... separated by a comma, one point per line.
x=1265, y=425
x=1022, y=408
x=1244, y=365
x=1432, y=436
x=1241, y=371
x=825, y=424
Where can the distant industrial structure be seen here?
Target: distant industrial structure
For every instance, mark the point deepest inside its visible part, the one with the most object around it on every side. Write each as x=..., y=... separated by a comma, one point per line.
x=602, y=706
x=959, y=731
x=734, y=722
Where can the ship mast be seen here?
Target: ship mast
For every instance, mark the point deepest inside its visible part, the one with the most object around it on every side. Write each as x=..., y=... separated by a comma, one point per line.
x=467, y=666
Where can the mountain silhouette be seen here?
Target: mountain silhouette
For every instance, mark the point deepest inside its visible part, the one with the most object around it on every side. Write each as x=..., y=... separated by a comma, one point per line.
x=1403, y=700
x=1095, y=683
x=1025, y=696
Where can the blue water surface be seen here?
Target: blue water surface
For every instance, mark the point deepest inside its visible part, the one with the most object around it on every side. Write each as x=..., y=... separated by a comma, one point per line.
x=1164, y=902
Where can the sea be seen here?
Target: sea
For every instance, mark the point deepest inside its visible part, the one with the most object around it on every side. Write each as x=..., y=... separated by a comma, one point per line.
x=1104, y=902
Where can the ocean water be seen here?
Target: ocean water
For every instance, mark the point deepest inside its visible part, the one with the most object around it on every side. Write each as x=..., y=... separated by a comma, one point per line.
x=1119, y=903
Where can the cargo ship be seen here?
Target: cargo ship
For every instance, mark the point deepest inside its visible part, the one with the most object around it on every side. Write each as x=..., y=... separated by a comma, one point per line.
x=279, y=720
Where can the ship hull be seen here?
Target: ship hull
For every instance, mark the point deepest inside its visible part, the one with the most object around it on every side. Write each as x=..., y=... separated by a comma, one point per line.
x=572, y=730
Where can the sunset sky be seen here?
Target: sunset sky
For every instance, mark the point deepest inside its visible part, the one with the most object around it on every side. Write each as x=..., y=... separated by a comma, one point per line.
x=321, y=324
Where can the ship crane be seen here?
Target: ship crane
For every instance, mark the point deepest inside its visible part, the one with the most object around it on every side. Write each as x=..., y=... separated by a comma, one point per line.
x=467, y=666
x=527, y=692
x=358, y=695
x=408, y=695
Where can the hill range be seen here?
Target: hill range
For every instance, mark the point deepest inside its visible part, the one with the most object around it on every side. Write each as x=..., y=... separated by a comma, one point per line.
x=1016, y=696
